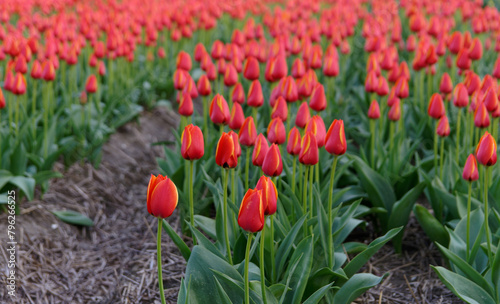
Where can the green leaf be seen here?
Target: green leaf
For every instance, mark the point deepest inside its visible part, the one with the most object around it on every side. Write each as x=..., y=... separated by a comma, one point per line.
x=183, y=248
x=43, y=176
x=73, y=217
x=432, y=227
x=464, y=288
x=287, y=243
x=318, y=295
x=360, y=260
x=495, y=270
x=5, y=177
x=206, y=224
x=222, y=293
x=19, y=160
x=26, y=184
x=357, y=285
x=300, y=263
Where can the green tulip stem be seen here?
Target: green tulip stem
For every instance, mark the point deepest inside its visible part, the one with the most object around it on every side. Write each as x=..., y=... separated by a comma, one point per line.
x=17, y=115
x=205, y=116
x=372, y=144
x=247, y=166
x=191, y=206
x=10, y=117
x=221, y=129
x=392, y=125
x=304, y=197
x=226, y=235
x=458, y=135
x=435, y=153
x=311, y=177
x=247, y=258
x=330, y=219
x=158, y=256
x=262, y=265
x=273, y=258
x=441, y=156
x=468, y=222
x=33, y=107
x=294, y=168
x=254, y=114
x=317, y=173
x=486, y=227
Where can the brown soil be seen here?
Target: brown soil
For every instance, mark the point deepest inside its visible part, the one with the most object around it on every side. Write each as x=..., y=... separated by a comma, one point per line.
x=115, y=260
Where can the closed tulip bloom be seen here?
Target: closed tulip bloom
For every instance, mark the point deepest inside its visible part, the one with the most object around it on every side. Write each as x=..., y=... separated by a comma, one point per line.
x=289, y=89
x=260, y=150
x=402, y=89
x=237, y=117
x=221, y=66
x=225, y=154
x=276, y=132
x=391, y=99
x=91, y=84
x=21, y=66
x=314, y=61
x=331, y=66
x=236, y=141
x=217, y=49
x=305, y=86
x=470, y=172
x=460, y=97
x=317, y=127
x=481, y=116
x=247, y=133
x=395, y=111
x=230, y=76
x=443, y=127
x=298, y=68
x=19, y=87
x=161, y=53
x=318, y=98
x=335, y=138
x=293, y=142
x=273, y=165
x=192, y=146
x=280, y=68
x=476, y=49
x=185, y=104
x=199, y=51
x=280, y=109
x=374, y=110
x=162, y=196
x=436, y=106
x=382, y=86
x=455, y=42
x=463, y=61
x=486, y=150
x=36, y=70
x=8, y=83
x=251, y=70
x=48, y=71
x=446, y=86
x=269, y=194
x=219, y=110
x=251, y=214
x=371, y=82
x=180, y=79
x=303, y=115
x=203, y=86
x=255, y=97
x=472, y=82
x=238, y=94
x=490, y=100
x=309, y=154
x=184, y=61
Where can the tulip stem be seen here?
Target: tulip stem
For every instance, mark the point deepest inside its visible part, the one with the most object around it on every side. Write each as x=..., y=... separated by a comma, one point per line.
x=33, y=107
x=247, y=166
x=158, y=256
x=459, y=115
x=226, y=235
x=10, y=118
x=205, y=116
x=17, y=115
x=247, y=258
x=191, y=207
x=372, y=145
x=311, y=177
x=391, y=142
x=468, y=222
x=486, y=227
x=435, y=153
x=262, y=266
x=304, y=197
x=441, y=156
x=273, y=258
x=330, y=219
x=254, y=114
x=294, y=168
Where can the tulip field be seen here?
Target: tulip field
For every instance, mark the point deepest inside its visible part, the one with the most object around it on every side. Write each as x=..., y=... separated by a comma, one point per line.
x=249, y=151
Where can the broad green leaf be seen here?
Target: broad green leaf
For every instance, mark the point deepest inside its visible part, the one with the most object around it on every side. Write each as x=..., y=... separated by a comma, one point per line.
x=73, y=217
x=286, y=245
x=277, y=289
x=357, y=285
x=318, y=295
x=183, y=248
x=5, y=177
x=462, y=287
x=237, y=286
x=223, y=297
x=206, y=224
x=432, y=227
x=26, y=184
x=300, y=262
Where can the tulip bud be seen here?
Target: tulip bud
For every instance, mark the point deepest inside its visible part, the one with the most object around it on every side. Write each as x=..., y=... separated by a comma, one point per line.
x=247, y=133
x=371, y=82
x=251, y=214
x=318, y=98
x=203, y=86
x=19, y=87
x=402, y=89
x=193, y=146
x=490, y=100
x=91, y=84
x=463, y=60
x=436, y=106
x=481, y=116
x=293, y=142
x=21, y=66
x=317, y=127
x=260, y=150
x=298, y=68
x=180, y=79
x=219, y=110
x=36, y=70
x=255, y=97
x=217, y=50
x=199, y=51
x=309, y=154
x=162, y=196
x=331, y=66
x=184, y=61
x=395, y=111
x=470, y=172
x=280, y=109
x=455, y=42
x=289, y=89
x=251, y=69
x=446, y=86
x=269, y=194
x=303, y=115
x=161, y=53
x=476, y=49
x=272, y=164
x=186, y=104
x=460, y=97
x=276, y=132
x=236, y=141
x=230, y=75
x=443, y=127
x=382, y=87
x=374, y=110
x=237, y=117
x=335, y=138
x=48, y=71
x=486, y=150
x=225, y=154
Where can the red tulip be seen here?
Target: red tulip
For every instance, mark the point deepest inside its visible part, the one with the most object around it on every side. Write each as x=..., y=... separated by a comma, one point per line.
x=309, y=154
x=225, y=154
x=247, y=133
x=203, y=86
x=2, y=99
x=269, y=194
x=199, y=51
x=162, y=196
x=481, y=116
x=48, y=71
x=192, y=146
x=219, y=110
x=486, y=150
x=317, y=127
x=382, y=87
x=335, y=138
x=374, y=110
x=318, y=98
x=476, y=49
x=161, y=53
x=91, y=84
x=280, y=109
x=293, y=142
x=289, y=89
x=298, y=68
x=371, y=82
x=237, y=117
x=395, y=111
x=490, y=100
x=443, y=127
x=255, y=97
x=446, y=86
x=402, y=89
x=236, y=141
x=463, y=60
x=184, y=61
x=180, y=79
x=331, y=66
x=276, y=132
x=455, y=42
x=251, y=214
x=460, y=97
x=251, y=69
x=260, y=150
x=272, y=164
x=470, y=172
x=238, y=94
x=303, y=115
x=436, y=106
x=472, y=82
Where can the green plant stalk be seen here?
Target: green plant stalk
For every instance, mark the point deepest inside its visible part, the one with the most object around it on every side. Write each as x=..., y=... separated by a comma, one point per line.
x=273, y=258
x=317, y=173
x=262, y=265
x=226, y=235
x=11, y=120
x=247, y=166
x=247, y=257
x=205, y=117
x=191, y=206
x=221, y=129
x=458, y=135
x=330, y=219
x=435, y=153
x=486, y=227
x=441, y=156
x=471, y=130
x=16, y=101
x=304, y=197
x=254, y=114
x=46, y=119
x=33, y=106
x=400, y=121
x=392, y=125
x=372, y=144
x=158, y=258
x=421, y=89
x=468, y=221
x=294, y=168
x=110, y=77
x=311, y=177
x=430, y=79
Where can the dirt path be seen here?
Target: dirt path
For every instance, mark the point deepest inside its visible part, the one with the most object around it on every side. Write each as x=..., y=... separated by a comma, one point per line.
x=114, y=261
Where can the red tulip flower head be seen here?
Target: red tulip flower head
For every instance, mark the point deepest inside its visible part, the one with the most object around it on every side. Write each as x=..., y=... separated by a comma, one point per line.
x=184, y=61
x=260, y=150
x=460, y=97
x=317, y=127
x=162, y=196
x=251, y=214
x=225, y=154
x=237, y=117
x=446, y=86
x=470, y=172
x=269, y=194
x=19, y=86
x=91, y=84
x=436, y=106
x=486, y=150
x=255, y=97
x=192, y=146
x=395, y=111
x=293, y=142
x=309, y=154
x=374, y=110
x=273, y=165
x=248, y=133
x=276, y=132
x=303, y=115
x=238, y=94
x=443, y=127
x=251, y=69
x=318, y=98
x=219, y=110
x=335, y=138
x=203, y=86
x=185, y=104
x=280, y=109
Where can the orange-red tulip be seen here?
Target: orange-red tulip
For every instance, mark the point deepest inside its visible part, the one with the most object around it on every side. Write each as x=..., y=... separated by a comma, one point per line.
x=255, y=97
x=436, y=106
x=192, y=146
x=162, y=196
x=203, y=86
x=445, y=86
x=91, y=84
x=219, y=110
x=260, y=150
x=470, y=172
x=236, y=142
x=225, y=154
x=185, y=104
x=269, y=194
x=374, y=110
x=443, y=127
x=272, y=164
x=238, y=94
x=335, y=138
x=251, y=69
x=395, y=111
x=237, y=117
x=318, y=98
x=276, y=133
x=486, y=150
x=251, y=214
x=309, y=154
x=303, y=115
x=248, y=133
x=280, y=109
